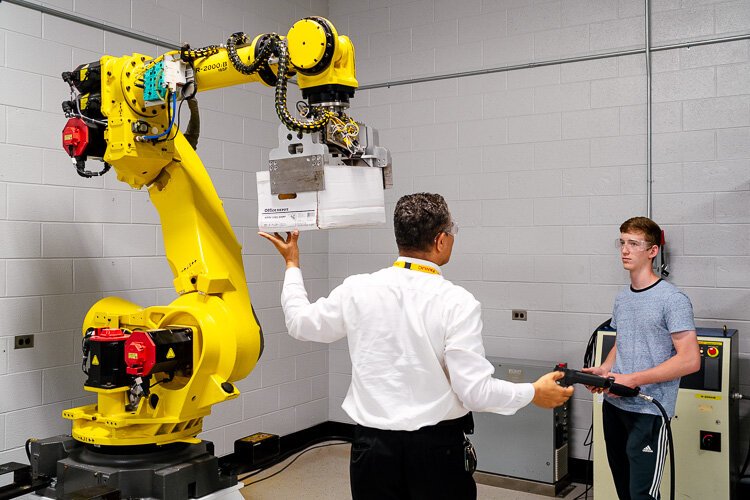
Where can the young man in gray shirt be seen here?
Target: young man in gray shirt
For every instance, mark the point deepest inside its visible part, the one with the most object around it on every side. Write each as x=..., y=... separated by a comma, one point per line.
x=656, y=345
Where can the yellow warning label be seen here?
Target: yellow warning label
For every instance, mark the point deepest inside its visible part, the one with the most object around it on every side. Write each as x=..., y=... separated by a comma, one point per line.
x=170, y=353
x=132, y=355
x=707, y=396
x=257, y=437
x=95, y=361
x=707, y=342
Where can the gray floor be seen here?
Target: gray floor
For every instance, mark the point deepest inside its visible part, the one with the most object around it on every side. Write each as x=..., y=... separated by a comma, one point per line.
x=323, y=474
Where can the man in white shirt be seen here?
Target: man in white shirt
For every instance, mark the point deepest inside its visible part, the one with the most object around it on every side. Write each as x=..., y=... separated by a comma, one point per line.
x=418, y=364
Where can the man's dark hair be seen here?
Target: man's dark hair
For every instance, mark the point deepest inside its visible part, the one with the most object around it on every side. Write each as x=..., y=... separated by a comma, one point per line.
x=649, y=228
x=418, y=219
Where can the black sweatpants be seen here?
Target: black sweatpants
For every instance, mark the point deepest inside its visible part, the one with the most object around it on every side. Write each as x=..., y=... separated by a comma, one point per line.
x=636, y=450
x=411, y=465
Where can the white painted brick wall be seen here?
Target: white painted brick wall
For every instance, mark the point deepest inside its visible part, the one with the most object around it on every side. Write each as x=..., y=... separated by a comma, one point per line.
x=510, y=50
x=539, y=167
x=39, y=203
x=560, y=229
x=39, y=277
x=20, y=390
x=122, y=240
x=50, y=350
x=63, y=383
x=563, y=42
x=71, y=240
x=20, y=315
x=617, y=34
x=101, y=275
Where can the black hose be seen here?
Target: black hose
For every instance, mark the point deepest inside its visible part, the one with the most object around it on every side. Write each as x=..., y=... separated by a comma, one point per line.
x=588, y=356
x=194, y=125
x=743, y=471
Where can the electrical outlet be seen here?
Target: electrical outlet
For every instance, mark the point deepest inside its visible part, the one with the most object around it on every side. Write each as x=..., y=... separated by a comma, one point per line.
x=519, y=315
x=24, y=342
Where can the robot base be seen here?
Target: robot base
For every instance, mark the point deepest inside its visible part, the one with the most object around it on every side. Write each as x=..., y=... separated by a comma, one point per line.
x=178, y=471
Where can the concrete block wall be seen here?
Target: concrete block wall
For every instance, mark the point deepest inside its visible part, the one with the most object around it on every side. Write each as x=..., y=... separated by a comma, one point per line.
x=65, y=241
x=540, y=166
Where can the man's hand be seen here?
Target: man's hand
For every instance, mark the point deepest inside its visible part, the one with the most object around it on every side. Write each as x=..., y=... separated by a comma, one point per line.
x=596, y=370
x=547, y=394
x=288, y=247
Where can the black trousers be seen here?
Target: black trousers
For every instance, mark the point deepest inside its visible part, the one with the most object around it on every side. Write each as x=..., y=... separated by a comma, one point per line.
x=411, y=465
x=636, y=450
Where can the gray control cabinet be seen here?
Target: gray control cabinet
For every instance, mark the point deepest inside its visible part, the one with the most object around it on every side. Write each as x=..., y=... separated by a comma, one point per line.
x=530, y=445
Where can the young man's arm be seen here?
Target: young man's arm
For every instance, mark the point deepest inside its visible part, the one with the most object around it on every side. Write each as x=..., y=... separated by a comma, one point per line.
x=686, y=361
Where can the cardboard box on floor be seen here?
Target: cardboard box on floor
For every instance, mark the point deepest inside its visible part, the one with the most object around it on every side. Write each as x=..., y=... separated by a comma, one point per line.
x=353, y=197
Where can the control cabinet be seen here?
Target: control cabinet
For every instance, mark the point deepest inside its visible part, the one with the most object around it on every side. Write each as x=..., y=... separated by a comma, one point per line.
x=531, y=445
x=705, y=426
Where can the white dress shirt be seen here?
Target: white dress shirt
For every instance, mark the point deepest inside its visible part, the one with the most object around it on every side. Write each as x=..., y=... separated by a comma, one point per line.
x=415, y=341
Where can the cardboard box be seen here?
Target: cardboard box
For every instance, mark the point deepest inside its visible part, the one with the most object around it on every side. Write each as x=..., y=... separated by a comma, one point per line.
x=275, y=214
x=353, y=197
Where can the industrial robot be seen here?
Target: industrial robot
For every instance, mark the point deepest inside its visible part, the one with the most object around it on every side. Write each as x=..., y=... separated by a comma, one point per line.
x=157, y=371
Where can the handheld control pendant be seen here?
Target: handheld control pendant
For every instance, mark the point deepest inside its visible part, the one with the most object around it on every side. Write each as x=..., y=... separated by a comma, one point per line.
x=578, y=377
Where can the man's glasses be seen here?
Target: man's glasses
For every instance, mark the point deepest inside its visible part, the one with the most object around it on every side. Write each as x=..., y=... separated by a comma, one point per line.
x=632, y=244
x=452, y=229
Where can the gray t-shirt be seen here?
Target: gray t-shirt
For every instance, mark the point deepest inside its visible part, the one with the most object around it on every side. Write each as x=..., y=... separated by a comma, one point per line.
x=645, y=320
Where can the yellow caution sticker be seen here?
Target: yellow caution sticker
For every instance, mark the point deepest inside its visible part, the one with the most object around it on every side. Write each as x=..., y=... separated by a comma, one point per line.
x=170, y=353
x=95, y=361
x=132, y=355
x=257, y=437
x=708, y=396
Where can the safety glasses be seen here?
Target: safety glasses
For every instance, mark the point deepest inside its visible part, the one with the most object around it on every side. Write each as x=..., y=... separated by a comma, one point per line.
x=632, y=245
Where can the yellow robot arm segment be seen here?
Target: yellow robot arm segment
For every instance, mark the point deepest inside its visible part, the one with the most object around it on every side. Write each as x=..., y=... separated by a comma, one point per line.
x=158, y=370
x=229, y=66
x=214, y=305
x=317, y=53
x=320, y=55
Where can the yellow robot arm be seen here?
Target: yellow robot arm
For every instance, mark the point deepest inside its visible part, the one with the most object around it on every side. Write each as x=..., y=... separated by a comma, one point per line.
x=158, y=370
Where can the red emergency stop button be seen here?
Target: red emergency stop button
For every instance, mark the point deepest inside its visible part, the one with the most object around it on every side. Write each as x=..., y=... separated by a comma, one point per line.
x=712, y=351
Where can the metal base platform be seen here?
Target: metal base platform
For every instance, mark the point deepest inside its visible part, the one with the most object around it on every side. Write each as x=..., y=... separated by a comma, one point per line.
x=232, y=493
x=179, y=471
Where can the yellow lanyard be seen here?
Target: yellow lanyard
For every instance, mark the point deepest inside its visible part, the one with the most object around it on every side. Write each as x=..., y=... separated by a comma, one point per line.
x=413, y=266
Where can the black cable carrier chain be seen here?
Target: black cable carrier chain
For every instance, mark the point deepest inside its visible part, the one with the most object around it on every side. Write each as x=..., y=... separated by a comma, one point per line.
x=189, y=55
x=272, y=44
x=269, y=42
x=280, y=101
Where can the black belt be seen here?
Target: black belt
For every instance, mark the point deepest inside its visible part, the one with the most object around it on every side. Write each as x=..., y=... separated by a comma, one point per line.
x=466, y=423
